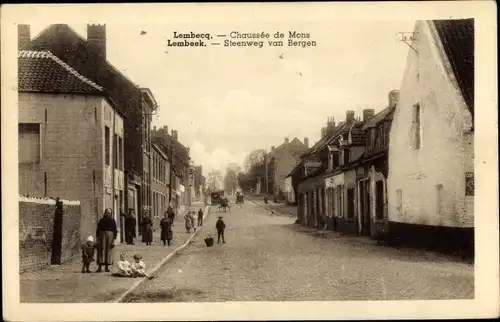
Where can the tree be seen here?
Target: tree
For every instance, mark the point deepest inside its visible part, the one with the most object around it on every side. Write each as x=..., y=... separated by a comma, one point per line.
x=230, y=180
x=254, y=159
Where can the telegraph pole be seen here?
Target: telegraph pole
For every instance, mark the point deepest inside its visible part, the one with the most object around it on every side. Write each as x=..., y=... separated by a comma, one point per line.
x=170, y=175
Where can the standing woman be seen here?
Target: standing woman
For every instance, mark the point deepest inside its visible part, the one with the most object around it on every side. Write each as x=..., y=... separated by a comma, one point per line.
x=188, y=222
x=147, y=235
x=106, y=234
x=130, y=224
x=166, y=229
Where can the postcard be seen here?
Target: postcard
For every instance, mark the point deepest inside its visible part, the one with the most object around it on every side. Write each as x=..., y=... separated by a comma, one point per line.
x=249, y=161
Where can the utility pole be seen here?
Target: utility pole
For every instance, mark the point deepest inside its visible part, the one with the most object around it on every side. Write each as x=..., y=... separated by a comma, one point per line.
x=170, y=175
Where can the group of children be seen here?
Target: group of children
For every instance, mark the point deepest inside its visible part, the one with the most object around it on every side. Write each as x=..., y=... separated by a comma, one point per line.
x=123, y=267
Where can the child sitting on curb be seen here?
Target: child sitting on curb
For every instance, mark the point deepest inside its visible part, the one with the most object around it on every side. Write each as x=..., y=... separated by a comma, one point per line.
x=139, y=267
x=123, y=268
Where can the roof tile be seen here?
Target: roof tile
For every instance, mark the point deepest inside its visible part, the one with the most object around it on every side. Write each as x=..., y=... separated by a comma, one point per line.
x=41, y=71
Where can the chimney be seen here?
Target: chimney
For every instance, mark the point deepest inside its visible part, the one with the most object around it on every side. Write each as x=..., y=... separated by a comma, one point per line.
x=323, y=131
x=174, y=134
x=368, y=114
x=96, y=39
x=165, y=129
x=349, y=116
x=23, y=36
x=272, y=148
x=393, y=98
x=306, y=142
x=330, y=124
x=286, y=141
x=154, y=128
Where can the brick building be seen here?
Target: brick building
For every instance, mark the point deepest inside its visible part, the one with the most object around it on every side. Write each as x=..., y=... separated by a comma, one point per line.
x=431, y=146
x=281, y=160
x=88, y=57
x=161, y=181
x=179, y=160
x=71, y=138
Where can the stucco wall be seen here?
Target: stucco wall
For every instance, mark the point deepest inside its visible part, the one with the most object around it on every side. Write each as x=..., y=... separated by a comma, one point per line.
x=441, y=158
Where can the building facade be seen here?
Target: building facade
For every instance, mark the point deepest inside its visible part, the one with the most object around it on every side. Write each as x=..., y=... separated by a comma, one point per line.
x=88, y=58
x=281, y=160
x=71, y=138
x=431, y=152
x=160, y=183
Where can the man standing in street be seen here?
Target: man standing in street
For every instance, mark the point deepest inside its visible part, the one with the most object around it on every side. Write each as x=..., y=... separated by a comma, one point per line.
x=220, y=226
x=200, y=218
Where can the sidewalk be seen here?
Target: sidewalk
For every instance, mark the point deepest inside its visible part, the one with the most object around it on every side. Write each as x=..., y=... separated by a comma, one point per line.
x=278, y=208
x=66, y=284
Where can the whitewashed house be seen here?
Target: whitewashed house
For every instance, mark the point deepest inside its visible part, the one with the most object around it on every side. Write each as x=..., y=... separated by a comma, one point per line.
x=431, y=144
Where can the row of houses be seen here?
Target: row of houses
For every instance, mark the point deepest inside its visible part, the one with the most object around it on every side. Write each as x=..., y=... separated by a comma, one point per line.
x=85, y=131
x=405, y=173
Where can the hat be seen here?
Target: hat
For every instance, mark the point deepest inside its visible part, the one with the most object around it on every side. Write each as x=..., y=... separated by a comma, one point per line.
x=90, y=239
x=220, y=217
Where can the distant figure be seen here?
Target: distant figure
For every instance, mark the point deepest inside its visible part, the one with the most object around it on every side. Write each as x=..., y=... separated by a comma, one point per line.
x=166, y=229
x=147, y=224
x=200, y=217
x=265, y=200
x=188, y=222
x=220, y=226
x=88, y=250
x=106, y=235
x=171, y=214
x=130, y=224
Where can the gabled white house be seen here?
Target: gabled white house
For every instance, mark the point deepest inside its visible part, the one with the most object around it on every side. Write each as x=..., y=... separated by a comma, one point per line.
x=431, y=152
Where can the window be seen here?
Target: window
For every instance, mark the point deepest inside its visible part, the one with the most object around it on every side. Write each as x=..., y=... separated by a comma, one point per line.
x=469, y=184
x=335, y=160
x=115, y=151
x=350, y=203
x=120, y=153
x=439, y=199
x=29, y=142
x=379, y=195
x=346, y=156
x=416, y=126
x=106, y=145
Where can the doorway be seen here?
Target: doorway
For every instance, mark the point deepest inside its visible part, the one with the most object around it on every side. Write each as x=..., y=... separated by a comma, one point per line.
x=364, y=187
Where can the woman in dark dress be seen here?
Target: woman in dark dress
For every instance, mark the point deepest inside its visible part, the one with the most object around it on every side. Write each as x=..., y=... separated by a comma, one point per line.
x=130, y=224
x=106, y=234
x=147, y=224
x=166, y=229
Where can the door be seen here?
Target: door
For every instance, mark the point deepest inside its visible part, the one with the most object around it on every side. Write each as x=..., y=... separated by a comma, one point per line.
x=57, y=235
x=365, y=207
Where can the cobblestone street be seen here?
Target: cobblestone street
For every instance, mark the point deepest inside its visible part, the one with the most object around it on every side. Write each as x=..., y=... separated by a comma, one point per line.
x=268, y=258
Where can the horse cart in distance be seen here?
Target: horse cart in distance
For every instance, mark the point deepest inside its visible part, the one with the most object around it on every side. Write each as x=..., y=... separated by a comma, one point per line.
x=239, y=198
x=218, y=198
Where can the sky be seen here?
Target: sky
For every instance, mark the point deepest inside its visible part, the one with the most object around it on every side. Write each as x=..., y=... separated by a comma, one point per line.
x=227, y=101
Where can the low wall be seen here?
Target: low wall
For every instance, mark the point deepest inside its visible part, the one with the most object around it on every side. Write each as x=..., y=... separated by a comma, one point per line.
x=36, y=229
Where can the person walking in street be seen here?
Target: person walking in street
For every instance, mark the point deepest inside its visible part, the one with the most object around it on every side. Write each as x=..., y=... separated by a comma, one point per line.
x=130, y=224
x=106, y=235
x=166, y=229
x=188, y=222
x=220, y=226
x=147, y=230
x=88, y=250
x=200, y=217
x=171, y=213
x=191, y=216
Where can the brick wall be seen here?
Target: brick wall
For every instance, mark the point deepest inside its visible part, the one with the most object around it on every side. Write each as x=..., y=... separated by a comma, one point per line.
x=36, y=224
